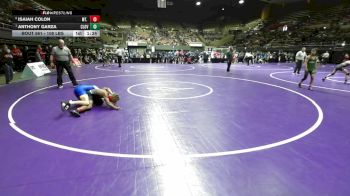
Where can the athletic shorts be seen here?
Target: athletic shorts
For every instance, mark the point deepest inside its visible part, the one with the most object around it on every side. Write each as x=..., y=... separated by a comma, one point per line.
x=312, y=72
x=83, y=90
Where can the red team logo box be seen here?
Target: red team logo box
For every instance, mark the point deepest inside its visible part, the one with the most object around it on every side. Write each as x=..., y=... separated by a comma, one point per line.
x=95, y=18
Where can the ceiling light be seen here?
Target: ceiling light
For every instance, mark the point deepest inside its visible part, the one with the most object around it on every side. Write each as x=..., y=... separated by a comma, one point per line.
x=198, y=3
x=241, y=1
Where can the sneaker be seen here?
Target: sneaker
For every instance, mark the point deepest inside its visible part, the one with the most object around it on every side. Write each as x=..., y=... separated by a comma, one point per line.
x=323, y=79
x=60, y=86
x=65, y=106
x=310, y=88
x=75, y=113
x=299, y=85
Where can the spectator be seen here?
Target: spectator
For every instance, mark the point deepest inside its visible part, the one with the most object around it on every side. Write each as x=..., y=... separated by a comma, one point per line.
x=25, y=55
x=40, y=54
x=325, y=57
x=120, y=53
x=47, y=55
x=7, y=63
x=248, y=57
x=229, y=57
x=17, y=57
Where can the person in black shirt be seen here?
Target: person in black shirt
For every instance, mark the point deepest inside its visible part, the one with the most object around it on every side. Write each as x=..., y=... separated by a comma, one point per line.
x=47, y=55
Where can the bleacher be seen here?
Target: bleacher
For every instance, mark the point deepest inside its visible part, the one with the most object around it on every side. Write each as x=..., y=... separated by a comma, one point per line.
x=325, y=27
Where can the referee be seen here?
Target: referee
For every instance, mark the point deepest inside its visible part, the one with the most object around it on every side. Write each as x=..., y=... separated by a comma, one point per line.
x=61, y=56
x=299, y=60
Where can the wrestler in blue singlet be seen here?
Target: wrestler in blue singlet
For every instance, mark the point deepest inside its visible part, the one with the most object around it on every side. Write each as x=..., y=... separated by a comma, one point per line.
x=83, y=90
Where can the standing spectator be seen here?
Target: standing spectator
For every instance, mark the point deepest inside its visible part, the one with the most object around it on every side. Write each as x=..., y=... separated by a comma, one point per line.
x=235, y=57
x=119, y=56
x=7, y=63
x=79, y=55
x=100, y=56
x=229, y=56
x=248, y=57
x=205, y=57
x=39, y=55
x=325, y=57
x=17, y=56
x=299, y=59
x=61, y=56
x=47, y=55
x=25, y=55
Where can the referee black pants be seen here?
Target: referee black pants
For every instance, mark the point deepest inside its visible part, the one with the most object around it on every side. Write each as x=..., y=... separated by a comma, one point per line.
x=249, y=60
x=119, y=60
x=298, y=65
x=60, y=65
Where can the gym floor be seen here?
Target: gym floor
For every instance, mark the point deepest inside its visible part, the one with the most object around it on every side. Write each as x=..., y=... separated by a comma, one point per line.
x=182, y=130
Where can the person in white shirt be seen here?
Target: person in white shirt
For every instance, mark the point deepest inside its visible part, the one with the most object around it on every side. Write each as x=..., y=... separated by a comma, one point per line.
x=120, y=53
x=325, y=57
x=299, y=59
x=248, y=57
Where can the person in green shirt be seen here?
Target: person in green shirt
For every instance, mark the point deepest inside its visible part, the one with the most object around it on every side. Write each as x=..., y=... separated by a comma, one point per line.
x=229, y=56
x=311, y=63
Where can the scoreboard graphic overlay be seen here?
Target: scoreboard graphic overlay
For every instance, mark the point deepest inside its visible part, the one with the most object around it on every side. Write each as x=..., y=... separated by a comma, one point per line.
x=49, y=23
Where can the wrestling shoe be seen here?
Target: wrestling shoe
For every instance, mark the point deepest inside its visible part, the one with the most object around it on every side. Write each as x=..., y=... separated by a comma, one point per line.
x=75, y=113
x=65, y=106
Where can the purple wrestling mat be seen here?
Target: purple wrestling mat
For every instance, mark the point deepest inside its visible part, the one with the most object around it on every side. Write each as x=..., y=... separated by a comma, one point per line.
x=182, y=130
